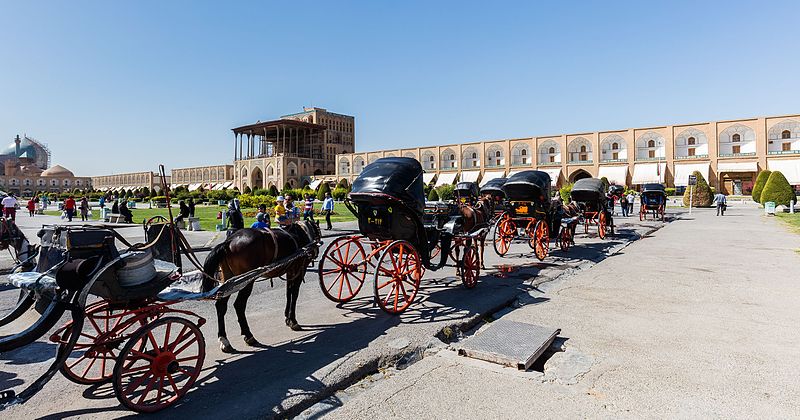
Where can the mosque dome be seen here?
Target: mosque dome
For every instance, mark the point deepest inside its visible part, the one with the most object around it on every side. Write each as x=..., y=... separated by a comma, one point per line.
x=58, y=171
x=27, y=148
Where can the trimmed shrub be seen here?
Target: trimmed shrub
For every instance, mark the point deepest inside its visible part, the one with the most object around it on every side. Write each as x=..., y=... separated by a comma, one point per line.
x=273, y=191
x=253, y=201
x=778, y=190
x=247, y=190
x=323, y=188
x=761, y=181
x=565, y=192
x=287, y=186
x=433, y=196
x=343, y=184
x=339, y=193
x=669, y=191
x=446, y=192
x=701, y=195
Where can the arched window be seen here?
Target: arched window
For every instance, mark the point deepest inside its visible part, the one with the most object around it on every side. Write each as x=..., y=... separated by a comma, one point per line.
x=524, y=152
x=651, y=143
x=452, y=157
x=691, y=141
x=736, y=138
x=497, y=154
x=431, y=159
x=786, y=134
x=615, y=146
x=474, y=155
x=583, y=149
x=551, y=150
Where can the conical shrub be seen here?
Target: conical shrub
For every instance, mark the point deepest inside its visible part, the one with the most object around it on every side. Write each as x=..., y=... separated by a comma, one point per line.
x=759, y=186
x=701, y=195
x=778, y=190
x=433, y=195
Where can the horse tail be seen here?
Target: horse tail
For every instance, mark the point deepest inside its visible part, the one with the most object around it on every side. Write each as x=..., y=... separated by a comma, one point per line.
x=211, y=265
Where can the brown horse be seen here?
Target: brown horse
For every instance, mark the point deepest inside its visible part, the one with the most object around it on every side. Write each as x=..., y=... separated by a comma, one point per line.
x=474, y=216
x=249, y=249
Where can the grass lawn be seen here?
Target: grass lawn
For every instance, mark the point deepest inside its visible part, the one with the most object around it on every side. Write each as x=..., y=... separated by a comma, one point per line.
x=793, y=220
x=208, y=214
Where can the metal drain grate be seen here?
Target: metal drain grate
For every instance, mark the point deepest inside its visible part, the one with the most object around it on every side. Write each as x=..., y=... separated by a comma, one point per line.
x=510, y=343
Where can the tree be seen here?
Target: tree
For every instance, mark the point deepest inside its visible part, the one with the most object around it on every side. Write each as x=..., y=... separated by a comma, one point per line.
x=565, y=192
x=778, y=190
x=324, y=188
x=761, y=181
x=342, y=184
x=701, y=195
x=286, y=187
x=146, y=192
x=446, y=192
x=433, y=196
x=273, y=191
x=605, y=183
x=247, y=189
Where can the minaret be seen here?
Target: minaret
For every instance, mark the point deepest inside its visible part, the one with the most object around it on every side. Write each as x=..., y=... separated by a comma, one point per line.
x=17, y=141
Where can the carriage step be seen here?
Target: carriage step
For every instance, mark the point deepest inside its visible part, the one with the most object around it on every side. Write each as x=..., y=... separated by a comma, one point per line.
x=510, y=343
x=7, y=396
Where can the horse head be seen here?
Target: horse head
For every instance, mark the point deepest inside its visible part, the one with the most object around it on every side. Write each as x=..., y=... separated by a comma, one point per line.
x=11, y=236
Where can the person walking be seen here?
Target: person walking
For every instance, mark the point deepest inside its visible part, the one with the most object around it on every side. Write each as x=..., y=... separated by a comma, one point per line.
x=235, y=217
x=308, y=209
x=102, y=202
x=84, y=208
x=10, y=206
x=69, y=207
x=45, y=201
x=31, y=208
x=191, y=207
x=623, y=205
x=631, y=199
x=722, y=203
x=327, y=208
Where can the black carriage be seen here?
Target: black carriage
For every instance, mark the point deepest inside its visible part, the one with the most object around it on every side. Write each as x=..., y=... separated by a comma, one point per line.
x=398, y=236
x=466, y=192
x=494, y=189
x=654, y=200
x=590, y=196
x=528, y=210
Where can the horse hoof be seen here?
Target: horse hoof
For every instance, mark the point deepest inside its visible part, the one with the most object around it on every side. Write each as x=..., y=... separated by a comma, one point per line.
x=252, y=342
x=293, y=325
x=225, y=346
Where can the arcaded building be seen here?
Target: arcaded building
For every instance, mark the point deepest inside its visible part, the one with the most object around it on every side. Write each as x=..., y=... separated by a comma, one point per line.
x=129, y=181
x=212, y=177
x=298, y=149
x=728, y=153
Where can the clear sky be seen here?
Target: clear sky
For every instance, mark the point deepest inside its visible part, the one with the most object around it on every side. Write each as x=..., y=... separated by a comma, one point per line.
x=117, y=86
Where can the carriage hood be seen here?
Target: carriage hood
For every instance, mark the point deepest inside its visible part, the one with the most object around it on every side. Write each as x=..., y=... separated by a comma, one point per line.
x=494, y=186
x=467, y=189
x=654, y=189
x=398, y=177
x=588, y=189
x=528, y=186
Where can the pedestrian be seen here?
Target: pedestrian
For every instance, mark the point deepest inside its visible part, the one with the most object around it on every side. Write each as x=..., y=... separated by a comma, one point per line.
x=102, y=201
x=623, y=204
x=722, y=203
x=84, y=208
x=262, y=210
x=191, y=207
x=292, y=212
x=611, y=200
x=235, y=217
x=10, y=206
x=125, y=211
x=260, y=222
x=31, y=207
x=327, y=208
x=631, y=199
x=69, y=207
x=183, y=211
x=45, y=201
x=308, y=209
x=280, y=211
x=115, y=207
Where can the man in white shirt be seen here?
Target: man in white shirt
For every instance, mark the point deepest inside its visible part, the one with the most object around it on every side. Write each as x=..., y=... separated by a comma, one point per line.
x=10, y=207
x=631, y=198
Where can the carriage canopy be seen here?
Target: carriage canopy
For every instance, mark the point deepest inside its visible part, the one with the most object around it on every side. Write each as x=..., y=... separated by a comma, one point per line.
x=467, y=189
x=398, y=177
x=528, y=186
x=657, y=189
x=588, y=190
x=494, y=186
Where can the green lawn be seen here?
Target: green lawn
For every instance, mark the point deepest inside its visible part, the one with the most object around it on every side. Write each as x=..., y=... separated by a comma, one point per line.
x=793, y=220
x=208, y=214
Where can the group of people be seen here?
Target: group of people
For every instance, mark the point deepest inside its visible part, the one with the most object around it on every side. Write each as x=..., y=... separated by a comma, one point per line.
x=626, y=202
x=286, y=212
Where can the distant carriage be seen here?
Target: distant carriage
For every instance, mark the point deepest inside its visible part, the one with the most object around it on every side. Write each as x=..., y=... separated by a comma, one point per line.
x=654, y=201
x=399, y=236
x=494, y=189
x=528, y=213
x=590, y=196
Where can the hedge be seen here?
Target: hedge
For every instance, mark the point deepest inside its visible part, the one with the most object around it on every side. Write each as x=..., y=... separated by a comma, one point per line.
x=701, y=194
x=778, y=190
x=761, y=181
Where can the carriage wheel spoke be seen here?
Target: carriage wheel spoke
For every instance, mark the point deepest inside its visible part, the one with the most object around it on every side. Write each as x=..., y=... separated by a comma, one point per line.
x=340, y=280
x=85, y=371
x=136, y=383
x=186, y=359
x=389, y=296
x=189, y=343
x=147, y=390
x=174, y=386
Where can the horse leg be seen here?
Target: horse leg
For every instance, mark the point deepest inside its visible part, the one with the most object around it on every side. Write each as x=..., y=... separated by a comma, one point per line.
x=240, y=305
x=292, y=293
x=222, y=308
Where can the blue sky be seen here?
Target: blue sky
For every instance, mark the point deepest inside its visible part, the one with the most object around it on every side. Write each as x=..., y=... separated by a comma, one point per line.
x=123, y=86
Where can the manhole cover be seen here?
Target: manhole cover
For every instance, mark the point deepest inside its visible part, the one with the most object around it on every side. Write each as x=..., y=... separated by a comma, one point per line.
x=510, y=343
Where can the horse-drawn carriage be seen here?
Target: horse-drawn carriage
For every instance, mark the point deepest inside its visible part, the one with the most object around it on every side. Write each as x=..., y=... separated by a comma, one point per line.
x=398, y=238
x=654, y=199
x=590, y=196
x=125, y=327
x=494, y=190
x=528, y=213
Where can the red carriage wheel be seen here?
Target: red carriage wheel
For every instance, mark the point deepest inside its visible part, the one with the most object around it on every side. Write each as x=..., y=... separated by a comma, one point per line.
x=94, y=355
x=159, y=364
x=542, y=237
x=530, y=231
x=342, y=269
x=565, y=240
x=504, y=233
x=471, y=267
x=397, y=277
x=601, y=225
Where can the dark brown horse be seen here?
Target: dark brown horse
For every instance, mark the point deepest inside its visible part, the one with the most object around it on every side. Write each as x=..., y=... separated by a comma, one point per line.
x=249, y=249
x=474, y=216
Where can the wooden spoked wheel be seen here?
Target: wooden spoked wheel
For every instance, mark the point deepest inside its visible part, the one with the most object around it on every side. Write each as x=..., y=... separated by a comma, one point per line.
x=342, y=269
x=159, y=364
x=93, y=358
x=530, y=232
x=542, y=237
x=471, y=266
x=397, y=277
x=565, y=239
x=504, y=233
x=601, y=225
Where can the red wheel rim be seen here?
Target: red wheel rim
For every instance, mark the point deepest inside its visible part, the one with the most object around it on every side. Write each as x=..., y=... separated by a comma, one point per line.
x=397, y=277
x=94, y=356
x=435, y=252
x=601, y=226
x=166, y=365
x=542, y=237
x=565, y=239
x=471, y=268
x=342, y=269
x=504, y=234
x=530, y=231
